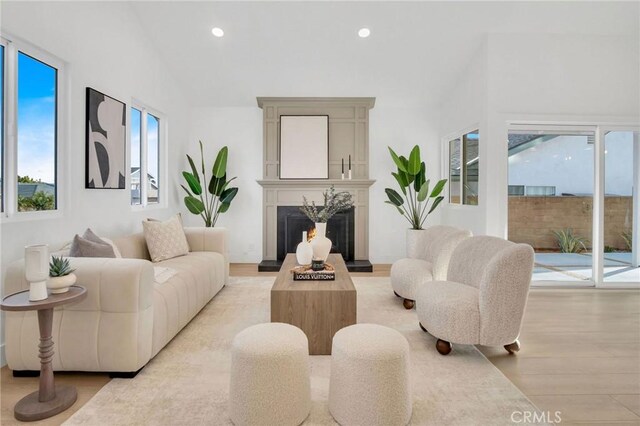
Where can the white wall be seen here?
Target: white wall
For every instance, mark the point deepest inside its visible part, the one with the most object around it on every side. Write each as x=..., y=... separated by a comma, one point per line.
x=537, y=78
x=241, y=130
x=465, y=109
x=566, y=162
x=103, y=48
x=401, y=129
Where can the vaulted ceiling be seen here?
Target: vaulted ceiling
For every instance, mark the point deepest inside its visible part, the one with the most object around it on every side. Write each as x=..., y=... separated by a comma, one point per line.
x=414, y=55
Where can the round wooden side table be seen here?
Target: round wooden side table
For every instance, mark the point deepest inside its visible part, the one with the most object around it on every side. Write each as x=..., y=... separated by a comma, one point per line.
x=50, y=399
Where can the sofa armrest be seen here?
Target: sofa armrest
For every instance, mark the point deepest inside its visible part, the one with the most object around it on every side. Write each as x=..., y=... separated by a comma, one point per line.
x=113, y=284
x=209, y=239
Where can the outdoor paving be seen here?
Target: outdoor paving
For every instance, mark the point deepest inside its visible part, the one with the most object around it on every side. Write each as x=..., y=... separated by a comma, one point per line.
x=577, y=267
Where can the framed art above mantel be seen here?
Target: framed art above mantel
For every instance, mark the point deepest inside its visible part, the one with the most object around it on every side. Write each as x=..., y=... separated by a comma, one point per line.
x=304, y=147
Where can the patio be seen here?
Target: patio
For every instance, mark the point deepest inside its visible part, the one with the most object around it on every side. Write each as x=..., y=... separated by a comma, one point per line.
x=577, y=267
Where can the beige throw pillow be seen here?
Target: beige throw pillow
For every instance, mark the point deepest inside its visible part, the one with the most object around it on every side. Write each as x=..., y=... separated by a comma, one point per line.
x=165, y=240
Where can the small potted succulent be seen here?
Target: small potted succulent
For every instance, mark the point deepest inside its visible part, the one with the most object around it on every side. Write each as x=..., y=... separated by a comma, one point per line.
x=61, y=276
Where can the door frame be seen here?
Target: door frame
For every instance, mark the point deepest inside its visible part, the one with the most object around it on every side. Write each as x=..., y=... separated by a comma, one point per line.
x=599, y=131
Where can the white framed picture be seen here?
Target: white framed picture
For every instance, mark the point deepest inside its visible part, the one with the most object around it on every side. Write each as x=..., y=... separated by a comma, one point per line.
x=304, y=147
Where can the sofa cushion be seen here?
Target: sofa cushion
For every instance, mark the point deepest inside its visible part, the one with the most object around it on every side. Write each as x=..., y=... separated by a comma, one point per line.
x=165, y=240
x=199, y=276
x=84, y=247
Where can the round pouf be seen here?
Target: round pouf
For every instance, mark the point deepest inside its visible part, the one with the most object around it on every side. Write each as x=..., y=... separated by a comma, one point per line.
x=370, y=376
x=270, y=376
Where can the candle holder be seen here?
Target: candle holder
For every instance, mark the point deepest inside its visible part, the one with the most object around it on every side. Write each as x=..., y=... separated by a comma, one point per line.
x=36, y=270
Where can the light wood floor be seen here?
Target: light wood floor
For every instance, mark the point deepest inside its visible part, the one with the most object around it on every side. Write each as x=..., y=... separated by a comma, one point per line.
x=580, y=356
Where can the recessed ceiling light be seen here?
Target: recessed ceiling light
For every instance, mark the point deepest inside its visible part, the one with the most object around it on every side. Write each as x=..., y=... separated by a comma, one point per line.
x=364, y=32
x=217, y=32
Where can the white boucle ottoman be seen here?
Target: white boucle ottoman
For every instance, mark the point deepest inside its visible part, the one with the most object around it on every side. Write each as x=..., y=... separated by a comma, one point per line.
x=270, y=376
x=370, y=377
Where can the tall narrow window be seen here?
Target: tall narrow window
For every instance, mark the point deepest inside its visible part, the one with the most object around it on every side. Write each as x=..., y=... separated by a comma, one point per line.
x=36, y=135
x=153, y=159
x=145, y=156
x=136, y=191
x=470, y=162
x=464, y=168
x=454, y=171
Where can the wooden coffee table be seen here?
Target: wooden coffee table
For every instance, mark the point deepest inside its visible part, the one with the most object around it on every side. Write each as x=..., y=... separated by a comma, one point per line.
x=50, y=399
x=319, y=308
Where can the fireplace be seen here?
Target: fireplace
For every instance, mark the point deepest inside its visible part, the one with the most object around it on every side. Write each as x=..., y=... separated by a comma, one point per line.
x=292, y=222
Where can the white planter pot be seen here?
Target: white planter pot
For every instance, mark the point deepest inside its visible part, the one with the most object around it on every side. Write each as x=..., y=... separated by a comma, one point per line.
x=304, y=251
x=321, y=244
x=61, y=284
x=416, y=243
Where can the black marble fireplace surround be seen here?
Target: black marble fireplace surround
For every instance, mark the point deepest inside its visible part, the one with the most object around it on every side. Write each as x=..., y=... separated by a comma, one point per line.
x=292, y=222
x=340, y=230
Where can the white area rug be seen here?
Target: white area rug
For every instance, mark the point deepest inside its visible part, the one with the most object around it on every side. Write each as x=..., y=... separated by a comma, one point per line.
x=187, y=382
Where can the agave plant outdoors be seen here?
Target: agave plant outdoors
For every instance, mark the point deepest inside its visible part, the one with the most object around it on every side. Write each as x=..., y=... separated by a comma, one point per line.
x=216, y=197
x=415, y=199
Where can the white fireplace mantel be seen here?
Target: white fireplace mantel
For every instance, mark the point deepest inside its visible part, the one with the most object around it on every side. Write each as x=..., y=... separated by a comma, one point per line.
x=348, y=139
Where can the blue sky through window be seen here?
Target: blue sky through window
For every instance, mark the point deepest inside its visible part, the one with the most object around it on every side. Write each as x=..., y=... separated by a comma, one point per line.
x=36, y=119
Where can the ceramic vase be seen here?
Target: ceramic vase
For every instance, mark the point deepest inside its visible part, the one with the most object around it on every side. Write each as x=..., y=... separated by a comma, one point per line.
x=61, y=284
x=304, y=251
x=36, y=271
x=320, y=243
x=416, y=243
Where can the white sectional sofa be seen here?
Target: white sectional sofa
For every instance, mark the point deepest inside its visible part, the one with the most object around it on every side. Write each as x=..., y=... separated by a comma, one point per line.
x=128, y=315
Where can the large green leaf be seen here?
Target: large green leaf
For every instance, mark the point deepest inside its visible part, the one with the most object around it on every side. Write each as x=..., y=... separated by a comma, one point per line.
x=414, y=161
x=228, y=195
x=399, y=209
x=435, y=204
x=397, y=160
x=194, y=170
x=226, y=184
x=220, y=165
x=394, y=197
x=194, y=205
x=223, y=207
x=186, y=190
x=194, y=184
x=438, y=188
x=401, y=182
x=216, y=185
x=420, y=178
x=405, y=162
x=202, y=156
x=424, y=191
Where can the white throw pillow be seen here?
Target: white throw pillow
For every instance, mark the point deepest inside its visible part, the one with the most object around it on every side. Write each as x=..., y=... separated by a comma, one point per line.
x=165, y=240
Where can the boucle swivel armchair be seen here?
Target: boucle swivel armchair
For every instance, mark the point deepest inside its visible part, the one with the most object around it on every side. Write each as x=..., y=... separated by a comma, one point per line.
x=427, y=259
x=482, y=301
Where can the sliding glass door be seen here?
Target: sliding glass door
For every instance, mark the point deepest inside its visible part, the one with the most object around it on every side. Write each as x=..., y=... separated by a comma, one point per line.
x=574, y=197
x=620, y=224
x=551, y=187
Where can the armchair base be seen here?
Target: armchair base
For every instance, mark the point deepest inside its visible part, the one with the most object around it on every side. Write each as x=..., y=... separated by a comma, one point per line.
x=512, y=348
x=443, y=347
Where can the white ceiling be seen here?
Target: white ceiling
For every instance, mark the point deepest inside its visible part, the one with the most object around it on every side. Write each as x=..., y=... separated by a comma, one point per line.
x=414, y=55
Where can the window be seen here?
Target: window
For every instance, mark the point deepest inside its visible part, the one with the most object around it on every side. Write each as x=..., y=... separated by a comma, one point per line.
x=145, y=156
x=36, y=166
x=29, y=110
x=136, y=192
x=464, y=162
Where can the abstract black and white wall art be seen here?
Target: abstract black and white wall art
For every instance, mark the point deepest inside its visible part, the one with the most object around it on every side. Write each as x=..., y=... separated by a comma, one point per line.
x=106, y=141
